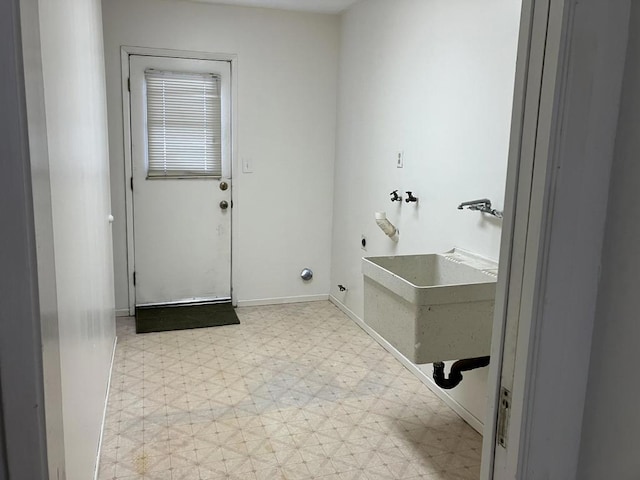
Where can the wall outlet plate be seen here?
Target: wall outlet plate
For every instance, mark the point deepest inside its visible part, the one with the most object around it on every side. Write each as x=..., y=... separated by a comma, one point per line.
x=400, y=160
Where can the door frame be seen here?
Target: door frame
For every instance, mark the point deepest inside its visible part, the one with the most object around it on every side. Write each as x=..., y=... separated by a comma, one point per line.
x=29, y=342
x=23, y=432
x=570, y=54
x=125, y=52
x=518, y=221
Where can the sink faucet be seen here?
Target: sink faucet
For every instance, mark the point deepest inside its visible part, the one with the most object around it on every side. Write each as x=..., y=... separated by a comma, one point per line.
x=483, y=205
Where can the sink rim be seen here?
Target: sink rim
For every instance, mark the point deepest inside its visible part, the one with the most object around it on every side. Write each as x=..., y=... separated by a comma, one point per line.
x=424, y=295
x=491, y=278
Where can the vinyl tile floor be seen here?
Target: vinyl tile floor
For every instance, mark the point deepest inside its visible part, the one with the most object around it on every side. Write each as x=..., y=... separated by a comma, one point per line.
x=295, y=391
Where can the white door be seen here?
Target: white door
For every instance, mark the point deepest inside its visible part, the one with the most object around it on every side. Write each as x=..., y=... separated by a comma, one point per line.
x=181, y=179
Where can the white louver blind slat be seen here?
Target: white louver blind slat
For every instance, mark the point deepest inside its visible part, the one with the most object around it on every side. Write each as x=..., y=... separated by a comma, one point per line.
x=183, y=124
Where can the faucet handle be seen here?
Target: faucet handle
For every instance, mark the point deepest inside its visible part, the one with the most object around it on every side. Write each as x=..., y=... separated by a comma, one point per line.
x=410, y=197
x=395, y=197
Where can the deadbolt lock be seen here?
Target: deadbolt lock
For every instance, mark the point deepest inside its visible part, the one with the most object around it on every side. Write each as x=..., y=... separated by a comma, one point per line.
x=224, y=186
x=224, y=204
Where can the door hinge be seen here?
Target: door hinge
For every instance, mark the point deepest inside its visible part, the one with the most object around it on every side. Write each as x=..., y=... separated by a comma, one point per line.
x=134, y=279
x=131, y=183
x=504, y=413
x=129, y=84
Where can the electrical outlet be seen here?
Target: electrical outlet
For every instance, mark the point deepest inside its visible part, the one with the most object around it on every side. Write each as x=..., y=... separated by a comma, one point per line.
x=400, y=160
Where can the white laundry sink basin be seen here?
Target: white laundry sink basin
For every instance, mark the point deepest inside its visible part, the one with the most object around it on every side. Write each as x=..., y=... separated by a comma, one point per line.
x=431, y=307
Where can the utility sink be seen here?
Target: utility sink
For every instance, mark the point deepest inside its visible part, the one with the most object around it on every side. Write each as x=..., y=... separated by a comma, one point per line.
x=431, y=307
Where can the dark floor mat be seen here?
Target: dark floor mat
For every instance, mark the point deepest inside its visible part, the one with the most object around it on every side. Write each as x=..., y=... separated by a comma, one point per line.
x=181, y=317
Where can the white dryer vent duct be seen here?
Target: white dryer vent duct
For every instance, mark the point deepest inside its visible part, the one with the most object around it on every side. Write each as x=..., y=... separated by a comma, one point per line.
x=386, y=226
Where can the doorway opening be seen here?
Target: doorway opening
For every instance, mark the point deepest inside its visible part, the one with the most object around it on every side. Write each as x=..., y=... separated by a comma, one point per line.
x=179, y=114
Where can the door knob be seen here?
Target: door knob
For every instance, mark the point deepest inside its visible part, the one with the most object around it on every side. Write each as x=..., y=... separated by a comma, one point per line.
x=224, y=204
x=224, y=186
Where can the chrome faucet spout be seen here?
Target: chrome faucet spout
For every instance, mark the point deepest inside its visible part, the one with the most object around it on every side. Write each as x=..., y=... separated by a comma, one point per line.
x=475, y=203
x=483, y=205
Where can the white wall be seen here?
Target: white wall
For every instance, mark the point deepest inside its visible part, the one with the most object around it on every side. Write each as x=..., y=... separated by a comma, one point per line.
x=287, y=74
x=76, y=129
x=433, y=79
x=611, y=422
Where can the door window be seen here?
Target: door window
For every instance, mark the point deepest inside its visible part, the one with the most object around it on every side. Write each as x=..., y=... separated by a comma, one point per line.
x=183, y=117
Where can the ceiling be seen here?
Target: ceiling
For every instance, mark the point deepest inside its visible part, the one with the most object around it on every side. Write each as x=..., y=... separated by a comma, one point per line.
x=322, y=6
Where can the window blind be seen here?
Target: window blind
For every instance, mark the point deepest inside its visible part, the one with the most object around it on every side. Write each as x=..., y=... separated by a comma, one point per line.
x=183, y=124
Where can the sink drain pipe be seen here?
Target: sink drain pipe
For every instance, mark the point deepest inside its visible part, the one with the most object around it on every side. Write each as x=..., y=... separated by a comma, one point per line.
x=455, y=375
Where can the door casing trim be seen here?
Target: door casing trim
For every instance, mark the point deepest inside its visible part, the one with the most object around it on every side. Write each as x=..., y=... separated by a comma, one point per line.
x=125, y=52
x=564, y=139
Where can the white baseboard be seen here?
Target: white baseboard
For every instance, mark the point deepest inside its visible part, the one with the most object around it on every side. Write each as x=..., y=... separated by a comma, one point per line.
x=466, y=415
x=282, y=300
x=122, y=312
x=104, y=413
